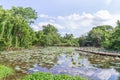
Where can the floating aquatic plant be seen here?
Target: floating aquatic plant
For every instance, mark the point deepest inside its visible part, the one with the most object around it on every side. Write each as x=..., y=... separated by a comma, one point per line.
x=49, y=76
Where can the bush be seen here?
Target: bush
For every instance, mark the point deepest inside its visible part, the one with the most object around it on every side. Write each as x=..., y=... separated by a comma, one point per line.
x=49, y=76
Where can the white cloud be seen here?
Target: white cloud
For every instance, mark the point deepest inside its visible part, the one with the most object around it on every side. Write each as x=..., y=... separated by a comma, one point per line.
x=41, y=24
x=46, y=16
x=36, y=27
x=43, y=16
x=74, y=17
x=108, y=2
x=79, y=23
x=103, y=17
x=60, y=17
x=87, y=16
x=103, y=14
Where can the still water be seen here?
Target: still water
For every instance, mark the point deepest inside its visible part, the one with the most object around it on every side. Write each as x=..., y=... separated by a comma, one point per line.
x=60, y=60
x=80, y=64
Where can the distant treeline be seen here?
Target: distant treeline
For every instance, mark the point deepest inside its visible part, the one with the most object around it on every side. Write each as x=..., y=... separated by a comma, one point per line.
x=102, y=36
x=15, y=32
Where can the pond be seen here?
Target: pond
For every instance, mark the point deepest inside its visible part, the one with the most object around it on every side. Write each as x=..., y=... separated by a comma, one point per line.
x=62, y=60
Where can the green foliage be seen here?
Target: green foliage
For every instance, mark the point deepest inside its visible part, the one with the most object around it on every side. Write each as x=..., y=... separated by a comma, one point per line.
x=49, y=76
x=99, y=34
x=96, y=36
x=82, y=40
x=67, y=77
x=103, y=36
x=39, y=76
x=49, y=36
x=28, y=14
x=113, y=41
x=69, y=40
x=5, y=71
x=49, y=29
x=15, y=30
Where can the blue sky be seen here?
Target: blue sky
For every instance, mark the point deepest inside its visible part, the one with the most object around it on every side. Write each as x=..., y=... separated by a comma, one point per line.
x=70, y=16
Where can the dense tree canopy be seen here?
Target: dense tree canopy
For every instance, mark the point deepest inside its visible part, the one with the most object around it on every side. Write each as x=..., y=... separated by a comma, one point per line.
x=98, y=34
x=102, y=36
x=27, y=14
x=15, y=32
x=49, y=36
x=113, y=41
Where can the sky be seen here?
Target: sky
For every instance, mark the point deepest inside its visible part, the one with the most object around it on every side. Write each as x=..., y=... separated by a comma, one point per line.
x=70, y=16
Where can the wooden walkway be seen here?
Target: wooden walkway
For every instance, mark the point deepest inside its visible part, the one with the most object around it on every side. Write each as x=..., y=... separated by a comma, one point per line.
x=100, y=53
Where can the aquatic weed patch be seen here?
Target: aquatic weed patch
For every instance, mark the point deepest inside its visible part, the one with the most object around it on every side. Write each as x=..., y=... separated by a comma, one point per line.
x=67, y=77
x=49, y=76
x=5, y=71
x=39, y=76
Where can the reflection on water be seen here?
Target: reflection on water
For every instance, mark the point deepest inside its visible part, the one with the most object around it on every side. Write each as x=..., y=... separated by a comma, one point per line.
x=81, y=65
x=58, y=61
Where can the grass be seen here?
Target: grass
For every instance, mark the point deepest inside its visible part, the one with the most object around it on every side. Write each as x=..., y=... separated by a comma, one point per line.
x=49, y=76
x=5, y=71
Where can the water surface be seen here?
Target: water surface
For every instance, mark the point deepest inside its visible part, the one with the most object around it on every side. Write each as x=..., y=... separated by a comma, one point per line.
x=61, y=60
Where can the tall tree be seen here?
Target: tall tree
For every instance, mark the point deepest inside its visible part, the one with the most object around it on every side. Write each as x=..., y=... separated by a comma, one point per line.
x=49, y=29
x=28, y=14
x=114, y=39
x=99, y=34
x=15, y=30
x=49, y=36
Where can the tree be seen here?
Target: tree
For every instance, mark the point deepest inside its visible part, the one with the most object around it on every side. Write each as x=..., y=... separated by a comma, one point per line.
x=49, y=29
x=99, y=34
x=82, y=40
x=22, y=33
x=5, y=28
x=69, y=40
x=68, y=36
x=28, y=14
x=15, y=30
x=49, y=36
x=114, y=39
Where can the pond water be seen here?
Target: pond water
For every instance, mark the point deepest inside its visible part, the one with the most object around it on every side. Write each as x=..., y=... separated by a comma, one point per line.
x=63, y=61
